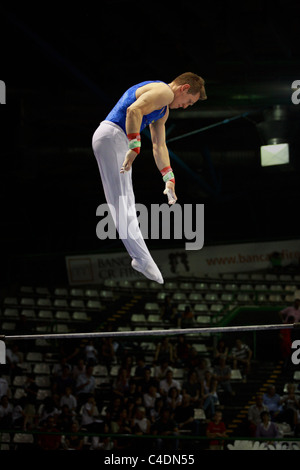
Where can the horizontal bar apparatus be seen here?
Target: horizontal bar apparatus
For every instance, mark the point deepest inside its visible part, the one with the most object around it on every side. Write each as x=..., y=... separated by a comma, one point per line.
x=177, y=331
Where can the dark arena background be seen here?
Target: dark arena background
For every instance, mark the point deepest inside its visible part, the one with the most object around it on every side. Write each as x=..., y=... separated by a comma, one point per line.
x=62, y=70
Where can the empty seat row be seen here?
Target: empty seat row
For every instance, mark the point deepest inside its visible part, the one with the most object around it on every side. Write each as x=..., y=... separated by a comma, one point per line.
x=48, y=303
x=7, y=326
x=46, y=314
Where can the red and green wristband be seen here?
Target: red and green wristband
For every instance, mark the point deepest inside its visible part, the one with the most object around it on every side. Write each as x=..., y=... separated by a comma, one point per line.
x=134, y=142
x=167, y=174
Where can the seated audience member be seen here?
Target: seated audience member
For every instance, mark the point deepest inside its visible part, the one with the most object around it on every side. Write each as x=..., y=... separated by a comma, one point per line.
x=167, y=383
x=181, y=352
x=69, y=399
x=216, y=429
x=192, y=388
x=165, y=425
x=272, y=401
x=49, y=438
x=174, y=398
x=222, y=373
x=85, y=385
x=140, y=423
x=209, y=394
x=184, y=415
x=266, y=428
x=6, y=413
x=254, y=414
x=164, y=352
x=73, y=441
x=241, y=356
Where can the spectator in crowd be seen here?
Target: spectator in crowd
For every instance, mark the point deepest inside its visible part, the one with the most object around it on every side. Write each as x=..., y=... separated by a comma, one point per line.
x=18, y=414
x=215, y=430
x=161, y=370
x=209, y=394
x=46, y=409
x=14, y=359
x=221, y=350
x=31, y=389
x=266, y=428
x=132, y=392
x=91, y=421
x=184, y=415
x=78, y=368
x=192, y=388
x=156, y=412
x=91, y=353
x=69, y=399
x=277, y=411
x=291, y=405
x=222, y=373
x=30, y=408
x=272, y=401
x=254, y=414
x=121, y=383
x=85, y=385
x=201, y=367
x=292, y=311
x=62, y=380
x=127, y=364
x=49, y=438
x=241, y=356
x=164, y=352
x=6, y=411
x=140, y=423
x=120, y=424
x=139, y=369
x=107, y=352
x=174, y=398
x=58, y=367
x=114, y=408
x=181, y=352
x=165, y=425
x=73, y=441
x=167, y=383
x=4, y=386
x=148, y=380
x=64, y=419
x=150, y=397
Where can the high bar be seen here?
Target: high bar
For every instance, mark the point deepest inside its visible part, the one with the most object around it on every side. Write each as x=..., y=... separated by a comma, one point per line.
x=164, y=332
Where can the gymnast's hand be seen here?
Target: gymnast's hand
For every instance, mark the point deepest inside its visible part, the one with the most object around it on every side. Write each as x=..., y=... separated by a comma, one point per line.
x=170, y=192
x=129, y=159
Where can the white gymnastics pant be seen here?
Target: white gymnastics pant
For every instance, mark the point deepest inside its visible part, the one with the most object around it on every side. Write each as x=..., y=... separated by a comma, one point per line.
x=110, y=145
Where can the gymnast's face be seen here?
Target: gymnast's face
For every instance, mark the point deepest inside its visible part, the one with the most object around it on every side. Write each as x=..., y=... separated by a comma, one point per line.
x=183, y=99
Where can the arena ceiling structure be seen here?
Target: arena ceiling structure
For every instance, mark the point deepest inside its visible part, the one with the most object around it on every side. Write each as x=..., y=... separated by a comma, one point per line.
x=64, y=70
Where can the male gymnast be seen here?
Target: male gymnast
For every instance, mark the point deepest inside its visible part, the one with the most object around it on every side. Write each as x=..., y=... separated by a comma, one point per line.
x=117, y=142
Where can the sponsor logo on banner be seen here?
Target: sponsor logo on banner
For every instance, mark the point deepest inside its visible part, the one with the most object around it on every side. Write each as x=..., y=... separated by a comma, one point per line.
x=95, y=268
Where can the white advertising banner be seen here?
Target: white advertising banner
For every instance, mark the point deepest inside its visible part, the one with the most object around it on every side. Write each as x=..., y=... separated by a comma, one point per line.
x=210, y=260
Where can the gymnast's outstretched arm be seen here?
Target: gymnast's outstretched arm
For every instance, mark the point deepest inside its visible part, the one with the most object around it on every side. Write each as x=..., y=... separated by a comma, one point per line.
x=161, y=156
